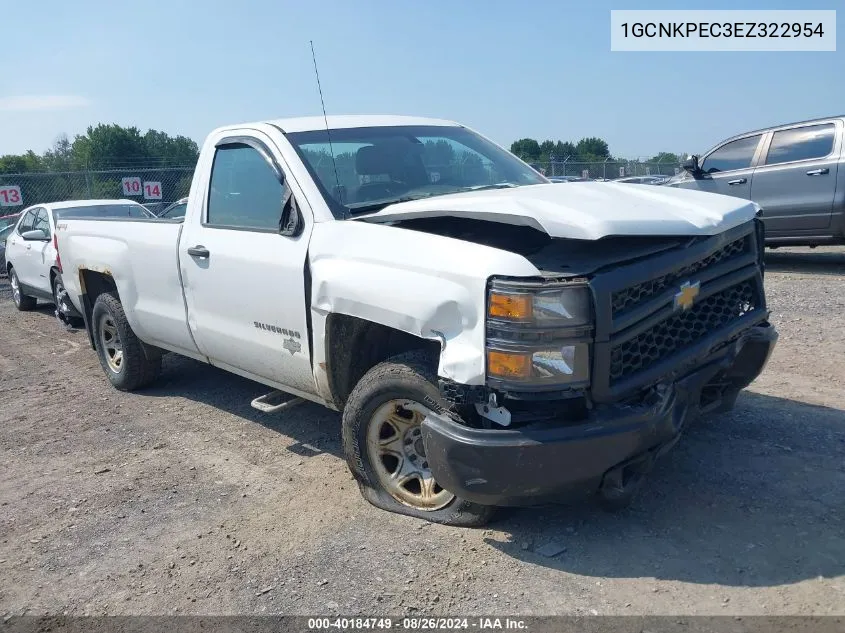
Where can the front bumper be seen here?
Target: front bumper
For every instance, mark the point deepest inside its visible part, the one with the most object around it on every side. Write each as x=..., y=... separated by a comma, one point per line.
x=543, y=463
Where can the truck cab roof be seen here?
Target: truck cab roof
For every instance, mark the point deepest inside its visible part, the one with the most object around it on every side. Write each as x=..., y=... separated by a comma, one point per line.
x=343, y=121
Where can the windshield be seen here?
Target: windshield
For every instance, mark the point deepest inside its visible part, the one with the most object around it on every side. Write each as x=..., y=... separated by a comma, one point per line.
x=104, y=211
x=377, y=166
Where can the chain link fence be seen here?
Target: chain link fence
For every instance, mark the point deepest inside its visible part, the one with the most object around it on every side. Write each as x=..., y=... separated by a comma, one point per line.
x=608, y=169
x=153, y=187
x=156, y=187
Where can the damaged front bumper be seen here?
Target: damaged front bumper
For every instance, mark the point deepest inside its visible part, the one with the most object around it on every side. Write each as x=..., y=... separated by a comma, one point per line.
x=548, y=462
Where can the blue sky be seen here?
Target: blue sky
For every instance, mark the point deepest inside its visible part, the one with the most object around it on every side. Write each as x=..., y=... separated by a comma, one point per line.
x=539, y=69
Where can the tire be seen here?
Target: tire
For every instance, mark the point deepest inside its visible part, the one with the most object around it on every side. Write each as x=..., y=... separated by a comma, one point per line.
x=22, y=301
x=61, y=315
x=406, y=379
x=130, y=369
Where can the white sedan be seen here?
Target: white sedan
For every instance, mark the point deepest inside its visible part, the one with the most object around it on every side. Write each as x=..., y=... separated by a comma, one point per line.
x=31, y=261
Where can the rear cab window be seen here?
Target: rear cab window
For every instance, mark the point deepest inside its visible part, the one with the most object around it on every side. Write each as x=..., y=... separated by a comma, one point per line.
x=801, y=143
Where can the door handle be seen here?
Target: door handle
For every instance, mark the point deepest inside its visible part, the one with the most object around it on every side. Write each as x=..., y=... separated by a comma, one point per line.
x=29, y=247
x=199, y=251
x=738, y=181
x=818, y=172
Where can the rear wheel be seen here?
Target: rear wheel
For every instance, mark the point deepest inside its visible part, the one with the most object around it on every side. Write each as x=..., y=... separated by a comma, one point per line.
x=121, y=353
x=383, y=443
x=22, y=301
x=62, y=301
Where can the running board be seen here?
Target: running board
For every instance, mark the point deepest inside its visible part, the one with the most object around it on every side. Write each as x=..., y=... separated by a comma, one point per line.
x=275, y=401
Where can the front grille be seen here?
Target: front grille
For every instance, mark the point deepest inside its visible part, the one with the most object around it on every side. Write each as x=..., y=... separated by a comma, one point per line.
x=682, y=329
x=627, y=298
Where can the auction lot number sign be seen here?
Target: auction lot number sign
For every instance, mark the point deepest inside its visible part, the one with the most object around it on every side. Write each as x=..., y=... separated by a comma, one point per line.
x=150, y=189
x=10, y=196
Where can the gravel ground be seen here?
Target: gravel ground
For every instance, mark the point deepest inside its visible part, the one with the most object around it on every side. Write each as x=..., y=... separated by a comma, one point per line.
x=183, y=499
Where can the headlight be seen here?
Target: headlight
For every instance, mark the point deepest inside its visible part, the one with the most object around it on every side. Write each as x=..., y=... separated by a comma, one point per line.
x=560, y=305
x=539, y=334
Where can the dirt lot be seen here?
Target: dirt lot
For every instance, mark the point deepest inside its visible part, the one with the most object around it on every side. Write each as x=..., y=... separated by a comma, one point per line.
x=183, y=499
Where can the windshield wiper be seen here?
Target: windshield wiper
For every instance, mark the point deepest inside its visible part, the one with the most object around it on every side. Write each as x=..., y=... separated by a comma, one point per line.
x=498, y=185
x=377, y=206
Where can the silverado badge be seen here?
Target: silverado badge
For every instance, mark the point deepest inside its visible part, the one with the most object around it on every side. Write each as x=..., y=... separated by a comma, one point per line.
x=686, y=297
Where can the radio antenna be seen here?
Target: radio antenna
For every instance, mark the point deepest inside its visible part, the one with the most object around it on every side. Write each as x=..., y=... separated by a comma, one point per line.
x=326, y=119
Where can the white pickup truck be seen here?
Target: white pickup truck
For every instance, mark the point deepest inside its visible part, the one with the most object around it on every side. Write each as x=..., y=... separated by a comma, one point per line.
x=491, y=338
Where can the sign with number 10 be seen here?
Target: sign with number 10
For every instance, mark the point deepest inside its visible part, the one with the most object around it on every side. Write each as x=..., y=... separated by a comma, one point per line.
x=131, y=186
x=10, y=196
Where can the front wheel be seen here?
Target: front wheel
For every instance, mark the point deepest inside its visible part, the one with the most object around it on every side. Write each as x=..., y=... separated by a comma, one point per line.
x=121, y=353
x=383, y=444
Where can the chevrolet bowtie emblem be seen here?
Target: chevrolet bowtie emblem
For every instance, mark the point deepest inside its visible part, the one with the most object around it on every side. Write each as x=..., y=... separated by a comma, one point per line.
x=686, y=297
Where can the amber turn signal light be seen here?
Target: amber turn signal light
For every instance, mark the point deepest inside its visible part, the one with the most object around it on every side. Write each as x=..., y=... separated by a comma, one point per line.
x=508, y=365
x=504, y=306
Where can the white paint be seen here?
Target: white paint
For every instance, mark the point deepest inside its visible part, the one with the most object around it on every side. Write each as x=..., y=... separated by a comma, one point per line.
x=33, y=260
x=586, y=210
x=430, y=286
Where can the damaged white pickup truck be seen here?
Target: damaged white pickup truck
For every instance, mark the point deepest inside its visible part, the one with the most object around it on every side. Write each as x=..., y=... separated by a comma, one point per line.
x=491, y=338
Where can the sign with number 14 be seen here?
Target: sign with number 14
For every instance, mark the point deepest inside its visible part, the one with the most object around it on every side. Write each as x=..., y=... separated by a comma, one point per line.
x=152, y=190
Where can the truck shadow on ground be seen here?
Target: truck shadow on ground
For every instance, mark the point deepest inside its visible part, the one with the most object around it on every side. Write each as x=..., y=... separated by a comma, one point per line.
x=314, y=428
x=751, y=498
x=811, y=262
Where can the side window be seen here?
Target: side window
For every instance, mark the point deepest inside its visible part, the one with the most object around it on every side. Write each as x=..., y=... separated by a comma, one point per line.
x=245, y=191
x=26, y=222
x=41, y=222
x=177, y=211
x=734, y=155
x=802, y=143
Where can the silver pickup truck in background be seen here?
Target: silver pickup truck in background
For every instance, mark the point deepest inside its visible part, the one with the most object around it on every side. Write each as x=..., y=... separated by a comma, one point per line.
x=793, y=171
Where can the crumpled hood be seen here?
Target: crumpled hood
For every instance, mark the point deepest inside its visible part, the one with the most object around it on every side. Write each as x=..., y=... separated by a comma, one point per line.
x=585, y=210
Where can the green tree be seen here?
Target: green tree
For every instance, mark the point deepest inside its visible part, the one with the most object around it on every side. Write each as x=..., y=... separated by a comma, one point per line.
x=526, y=148
x=547, y=148
x=593, y=148
x=105, y=146
x=60, y=156
x=564, y=149
x=169, y=150
x=20, y=163
x=665, y=157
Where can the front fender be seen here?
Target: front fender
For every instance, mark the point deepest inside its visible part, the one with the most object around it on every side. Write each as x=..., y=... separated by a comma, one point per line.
x=430, y=286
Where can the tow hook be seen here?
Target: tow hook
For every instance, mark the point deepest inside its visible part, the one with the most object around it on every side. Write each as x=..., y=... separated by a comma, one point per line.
x=621, y=483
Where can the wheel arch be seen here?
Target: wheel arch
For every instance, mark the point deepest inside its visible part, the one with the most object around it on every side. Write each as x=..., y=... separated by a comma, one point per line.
x=92, y=284
x=355, y=345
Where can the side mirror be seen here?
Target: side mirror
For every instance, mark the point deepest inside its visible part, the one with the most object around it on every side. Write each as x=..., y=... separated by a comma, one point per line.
x=291, y=222
x=691, y=165
x=35, y=235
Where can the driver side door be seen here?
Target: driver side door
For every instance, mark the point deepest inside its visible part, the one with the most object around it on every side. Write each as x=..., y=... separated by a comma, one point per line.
x=41, y=254
x=19, y=250
x=244, y=279
x=728, y=169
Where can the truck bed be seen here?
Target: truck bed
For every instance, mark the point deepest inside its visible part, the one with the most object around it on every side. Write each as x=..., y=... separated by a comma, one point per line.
x=142, y=257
